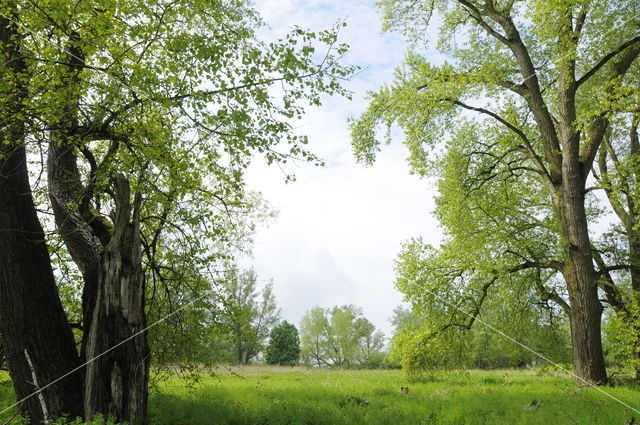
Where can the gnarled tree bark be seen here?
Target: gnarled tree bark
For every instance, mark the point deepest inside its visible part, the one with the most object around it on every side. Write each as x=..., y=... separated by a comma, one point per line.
x=116, y=383
x=33, y=325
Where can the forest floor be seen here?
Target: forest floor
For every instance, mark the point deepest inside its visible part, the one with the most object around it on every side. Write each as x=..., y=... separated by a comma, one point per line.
x=299, y=396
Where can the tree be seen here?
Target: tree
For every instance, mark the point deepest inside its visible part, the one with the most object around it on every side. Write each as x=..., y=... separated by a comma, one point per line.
x=552, y=76
x=340, y=336
x=371, y=353
x=252, y=314
x=150, y=113
x=404, y=318
x=617, y=254
x=312, y=336
x=33, y=326
x=284, y=345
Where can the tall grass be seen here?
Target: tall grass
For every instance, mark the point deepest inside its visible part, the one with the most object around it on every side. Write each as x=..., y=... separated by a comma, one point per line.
x=286, y=396
x=324, y=397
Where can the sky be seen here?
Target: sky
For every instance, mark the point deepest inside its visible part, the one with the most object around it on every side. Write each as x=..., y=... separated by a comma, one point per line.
x=340, y=227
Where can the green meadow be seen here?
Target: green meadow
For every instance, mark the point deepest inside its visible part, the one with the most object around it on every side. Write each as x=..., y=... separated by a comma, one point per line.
x=272, y=396
x=298, y=396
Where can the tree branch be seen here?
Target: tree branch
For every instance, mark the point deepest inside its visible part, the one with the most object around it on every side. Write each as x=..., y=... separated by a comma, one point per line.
x=528, y=148
x=580, y=20
x=533, y=94
x=602, y=62
x=599, y=127
x=476, y=14
x=552, y=264
x=550, y=294
x=607, y=284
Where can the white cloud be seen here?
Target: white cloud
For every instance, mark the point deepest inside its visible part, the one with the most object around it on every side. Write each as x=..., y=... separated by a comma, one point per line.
x=340, y=227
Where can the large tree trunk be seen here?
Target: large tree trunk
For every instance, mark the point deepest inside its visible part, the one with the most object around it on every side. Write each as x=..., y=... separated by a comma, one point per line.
x=35, y=332
x=579, y=271
x=3, y=357
x=116, y=383
x=634, y=260
x=585, y=319
x=65, y=194
x=581, y=279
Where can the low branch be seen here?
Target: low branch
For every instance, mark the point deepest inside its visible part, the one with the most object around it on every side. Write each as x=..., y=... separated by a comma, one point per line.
x=617, y=267
x=547, y=294
x=520, y=89
x=608, y=286
x=526, y=265
x=473, y=315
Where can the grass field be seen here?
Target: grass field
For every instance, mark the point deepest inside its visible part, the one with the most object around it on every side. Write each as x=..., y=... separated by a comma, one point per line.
x=285, y=396
x=321, y=397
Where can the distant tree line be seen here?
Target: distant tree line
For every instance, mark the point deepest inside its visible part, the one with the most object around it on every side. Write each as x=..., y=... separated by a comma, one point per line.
x=248, y=328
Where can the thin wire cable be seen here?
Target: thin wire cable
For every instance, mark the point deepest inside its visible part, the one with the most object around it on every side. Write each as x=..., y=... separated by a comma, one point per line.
x=103, y=353
x=540, y=355
x=200, y=297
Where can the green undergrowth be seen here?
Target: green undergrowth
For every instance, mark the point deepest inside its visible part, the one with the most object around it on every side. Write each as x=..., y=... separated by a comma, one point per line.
x=329, y=397
x=334, y=397
x=6, y=397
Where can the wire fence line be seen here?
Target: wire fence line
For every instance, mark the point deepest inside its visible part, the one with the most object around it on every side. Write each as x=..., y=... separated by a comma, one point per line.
x=526, y=347
x=141, y=332
x=504, y=335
